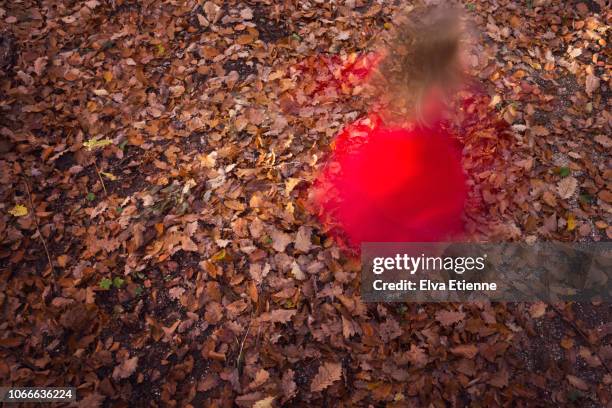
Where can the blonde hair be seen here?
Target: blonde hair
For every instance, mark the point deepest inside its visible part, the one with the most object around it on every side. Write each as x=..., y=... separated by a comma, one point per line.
x=421, y=53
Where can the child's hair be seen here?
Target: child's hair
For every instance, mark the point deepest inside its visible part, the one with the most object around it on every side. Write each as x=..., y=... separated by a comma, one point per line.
x=422, y=54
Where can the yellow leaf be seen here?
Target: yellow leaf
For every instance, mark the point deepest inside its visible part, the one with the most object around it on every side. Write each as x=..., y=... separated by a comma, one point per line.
x=94, y=144
x=571, y=222
x=18, y=210
x=109, y=176
x=290, y=184
x=108, y=76
x=495, y=100
x=219, y=256
x=264, y=403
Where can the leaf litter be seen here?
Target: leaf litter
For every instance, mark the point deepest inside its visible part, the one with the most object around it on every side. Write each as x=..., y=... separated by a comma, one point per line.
x=204, y=123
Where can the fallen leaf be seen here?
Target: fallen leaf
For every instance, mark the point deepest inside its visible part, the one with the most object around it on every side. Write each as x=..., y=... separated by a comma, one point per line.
x=447, y=317
x=567, y=187
x=264, y=403
x=109, y=176
x=176, y=292
x=125, y=369
x=261, y=377
x=288, y=385
x=246, y=14
x=577, y=382
x=296, y=271
x=417, y=356
x=537, y=309
x=603, y=140
x=18, y=210
x=605, y=195
x=290, y=185
x=465, y=350
x=539, y=131
x=39, y=65
x=592, y=84
x=571, y=222
x=302, y=239
x=212, y=11
x=277, y=316
x=96, y=144
x=280, y=240
x=327, y=375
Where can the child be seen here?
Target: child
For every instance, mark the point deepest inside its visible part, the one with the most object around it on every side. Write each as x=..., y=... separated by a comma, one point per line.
x=396, y=175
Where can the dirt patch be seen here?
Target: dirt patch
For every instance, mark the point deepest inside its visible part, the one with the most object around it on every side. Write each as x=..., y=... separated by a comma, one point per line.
x=270, y=30
x=241, y=66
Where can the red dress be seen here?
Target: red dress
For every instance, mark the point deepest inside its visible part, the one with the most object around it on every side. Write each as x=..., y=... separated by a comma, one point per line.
x=391, y=184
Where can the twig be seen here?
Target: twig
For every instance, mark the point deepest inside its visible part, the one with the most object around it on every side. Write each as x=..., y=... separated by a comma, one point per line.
x=582, y=334
x=101, y=180
x=42, y=239
x=242, y=343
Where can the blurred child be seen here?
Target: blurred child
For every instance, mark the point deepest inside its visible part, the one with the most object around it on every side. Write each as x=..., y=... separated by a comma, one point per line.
x=395, y=175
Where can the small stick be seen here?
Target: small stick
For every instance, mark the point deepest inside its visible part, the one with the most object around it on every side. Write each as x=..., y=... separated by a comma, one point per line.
x=100, y=177
x=42, y=239
x=242, y=343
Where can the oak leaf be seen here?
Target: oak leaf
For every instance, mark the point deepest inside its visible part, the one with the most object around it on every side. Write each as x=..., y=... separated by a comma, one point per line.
x=327, y=375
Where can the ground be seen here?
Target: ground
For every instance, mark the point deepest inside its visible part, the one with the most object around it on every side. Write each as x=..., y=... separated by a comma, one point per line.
x=157, y=244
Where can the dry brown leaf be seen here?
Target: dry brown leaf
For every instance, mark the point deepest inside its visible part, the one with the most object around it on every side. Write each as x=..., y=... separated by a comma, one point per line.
x=567, y=187
x=202, y=20
x=500, y=379
x=302, y=239
x=277, y=316
x=465, y=350
x=246, y=14
x=264, y=403
x=212, y=11
x=297, y=272
x=260, y=379
x=327, y=375
x=592, y=84
x=605, y=195
x=280, y=240
x=288, y=385
x=125, y=369
x=39, y=65
x=290, y=184
x=549, y=198
x=603, y=140
x=539, y=131
x=537, y=309
x=176, y=292
x=417, y=356
x=577, y=382
x=447, y=317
